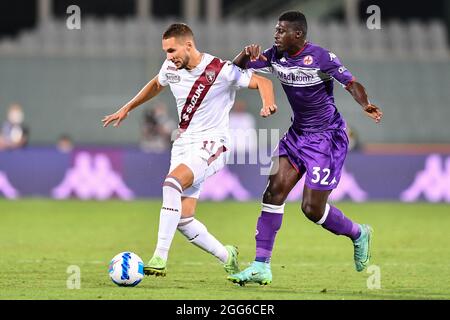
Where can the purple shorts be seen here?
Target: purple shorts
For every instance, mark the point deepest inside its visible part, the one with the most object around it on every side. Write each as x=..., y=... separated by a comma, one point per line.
x=320, y=154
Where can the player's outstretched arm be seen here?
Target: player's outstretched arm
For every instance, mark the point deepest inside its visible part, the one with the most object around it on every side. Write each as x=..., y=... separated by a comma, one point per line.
x=149, y=91
x=266, y=92
x=250, y=53
x=359, y=93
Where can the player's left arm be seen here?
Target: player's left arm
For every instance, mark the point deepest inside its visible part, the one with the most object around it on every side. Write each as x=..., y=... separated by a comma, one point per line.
x=240, y=78
x=331, y=65
x=265, y=88
x=359, y=93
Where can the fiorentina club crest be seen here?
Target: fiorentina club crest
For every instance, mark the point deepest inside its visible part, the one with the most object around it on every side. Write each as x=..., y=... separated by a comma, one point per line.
x=308, y=60
x=210, y=76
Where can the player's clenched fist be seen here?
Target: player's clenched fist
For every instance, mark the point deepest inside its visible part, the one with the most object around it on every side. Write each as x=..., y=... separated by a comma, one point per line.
x=254, y=52
x=268, y=110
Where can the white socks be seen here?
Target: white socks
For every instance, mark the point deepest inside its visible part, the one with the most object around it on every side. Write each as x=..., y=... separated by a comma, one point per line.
x=192, y=229
x=169, y=216
x=196, y=233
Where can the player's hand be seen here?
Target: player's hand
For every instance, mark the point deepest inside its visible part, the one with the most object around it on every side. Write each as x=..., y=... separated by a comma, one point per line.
x=254, y=52
x=268, y=110
x=373, y=112
x=118, y=116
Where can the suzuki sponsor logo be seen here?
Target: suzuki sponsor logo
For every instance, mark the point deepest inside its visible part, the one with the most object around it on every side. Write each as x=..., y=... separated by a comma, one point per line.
x=193, y=102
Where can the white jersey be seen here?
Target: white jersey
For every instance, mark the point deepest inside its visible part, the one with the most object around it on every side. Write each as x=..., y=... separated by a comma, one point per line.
x=204, y=95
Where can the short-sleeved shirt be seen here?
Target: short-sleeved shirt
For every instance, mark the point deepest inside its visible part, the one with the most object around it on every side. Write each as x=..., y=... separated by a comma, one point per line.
x=205, y=94
x=307, y=78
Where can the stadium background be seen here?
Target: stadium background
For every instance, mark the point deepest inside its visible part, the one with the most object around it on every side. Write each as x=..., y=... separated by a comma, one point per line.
x=77, y=76
x=67, y=80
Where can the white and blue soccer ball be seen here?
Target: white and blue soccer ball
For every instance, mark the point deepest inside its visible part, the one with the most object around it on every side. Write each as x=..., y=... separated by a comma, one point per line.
x=126, y=269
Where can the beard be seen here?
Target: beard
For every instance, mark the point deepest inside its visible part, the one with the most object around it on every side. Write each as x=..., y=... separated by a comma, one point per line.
x=184, y=63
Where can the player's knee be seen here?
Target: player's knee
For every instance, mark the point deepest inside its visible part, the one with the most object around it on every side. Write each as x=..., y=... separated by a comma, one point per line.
x=312, y=211
x=273, y=195
x=170, y=186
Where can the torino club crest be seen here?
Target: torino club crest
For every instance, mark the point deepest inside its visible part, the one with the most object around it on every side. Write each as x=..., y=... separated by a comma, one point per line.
x=210, y=76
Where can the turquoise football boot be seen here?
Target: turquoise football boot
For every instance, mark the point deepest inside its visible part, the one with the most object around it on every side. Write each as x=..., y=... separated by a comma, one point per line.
x=362, y=247
x=258, y=272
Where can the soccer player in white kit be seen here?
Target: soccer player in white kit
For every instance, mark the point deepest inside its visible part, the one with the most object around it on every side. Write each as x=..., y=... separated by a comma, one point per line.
x=204, y=88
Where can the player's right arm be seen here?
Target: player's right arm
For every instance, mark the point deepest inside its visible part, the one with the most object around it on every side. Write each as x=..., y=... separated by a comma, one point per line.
x=252, y=57
x=150, y=90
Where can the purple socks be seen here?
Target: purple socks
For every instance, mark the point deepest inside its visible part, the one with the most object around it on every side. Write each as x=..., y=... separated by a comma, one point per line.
x=271, y=218
x=335, y=221
x=266, y=230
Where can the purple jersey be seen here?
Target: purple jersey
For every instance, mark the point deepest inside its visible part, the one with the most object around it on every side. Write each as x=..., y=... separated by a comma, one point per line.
x=307, y=78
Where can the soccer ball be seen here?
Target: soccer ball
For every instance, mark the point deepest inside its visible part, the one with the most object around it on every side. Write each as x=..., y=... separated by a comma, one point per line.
x=126, y=269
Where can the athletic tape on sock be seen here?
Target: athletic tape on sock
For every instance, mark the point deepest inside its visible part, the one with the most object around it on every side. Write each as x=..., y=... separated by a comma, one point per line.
x=272, y=208
x=325, y=214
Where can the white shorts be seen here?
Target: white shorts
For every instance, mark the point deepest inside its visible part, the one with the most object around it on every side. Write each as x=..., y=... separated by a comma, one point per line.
x=204, y=158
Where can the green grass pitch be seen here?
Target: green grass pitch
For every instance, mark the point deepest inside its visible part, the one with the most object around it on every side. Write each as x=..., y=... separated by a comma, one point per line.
x=40, y=239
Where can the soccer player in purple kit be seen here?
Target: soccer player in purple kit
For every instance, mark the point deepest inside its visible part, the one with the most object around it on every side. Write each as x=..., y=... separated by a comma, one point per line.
x=315, y=144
